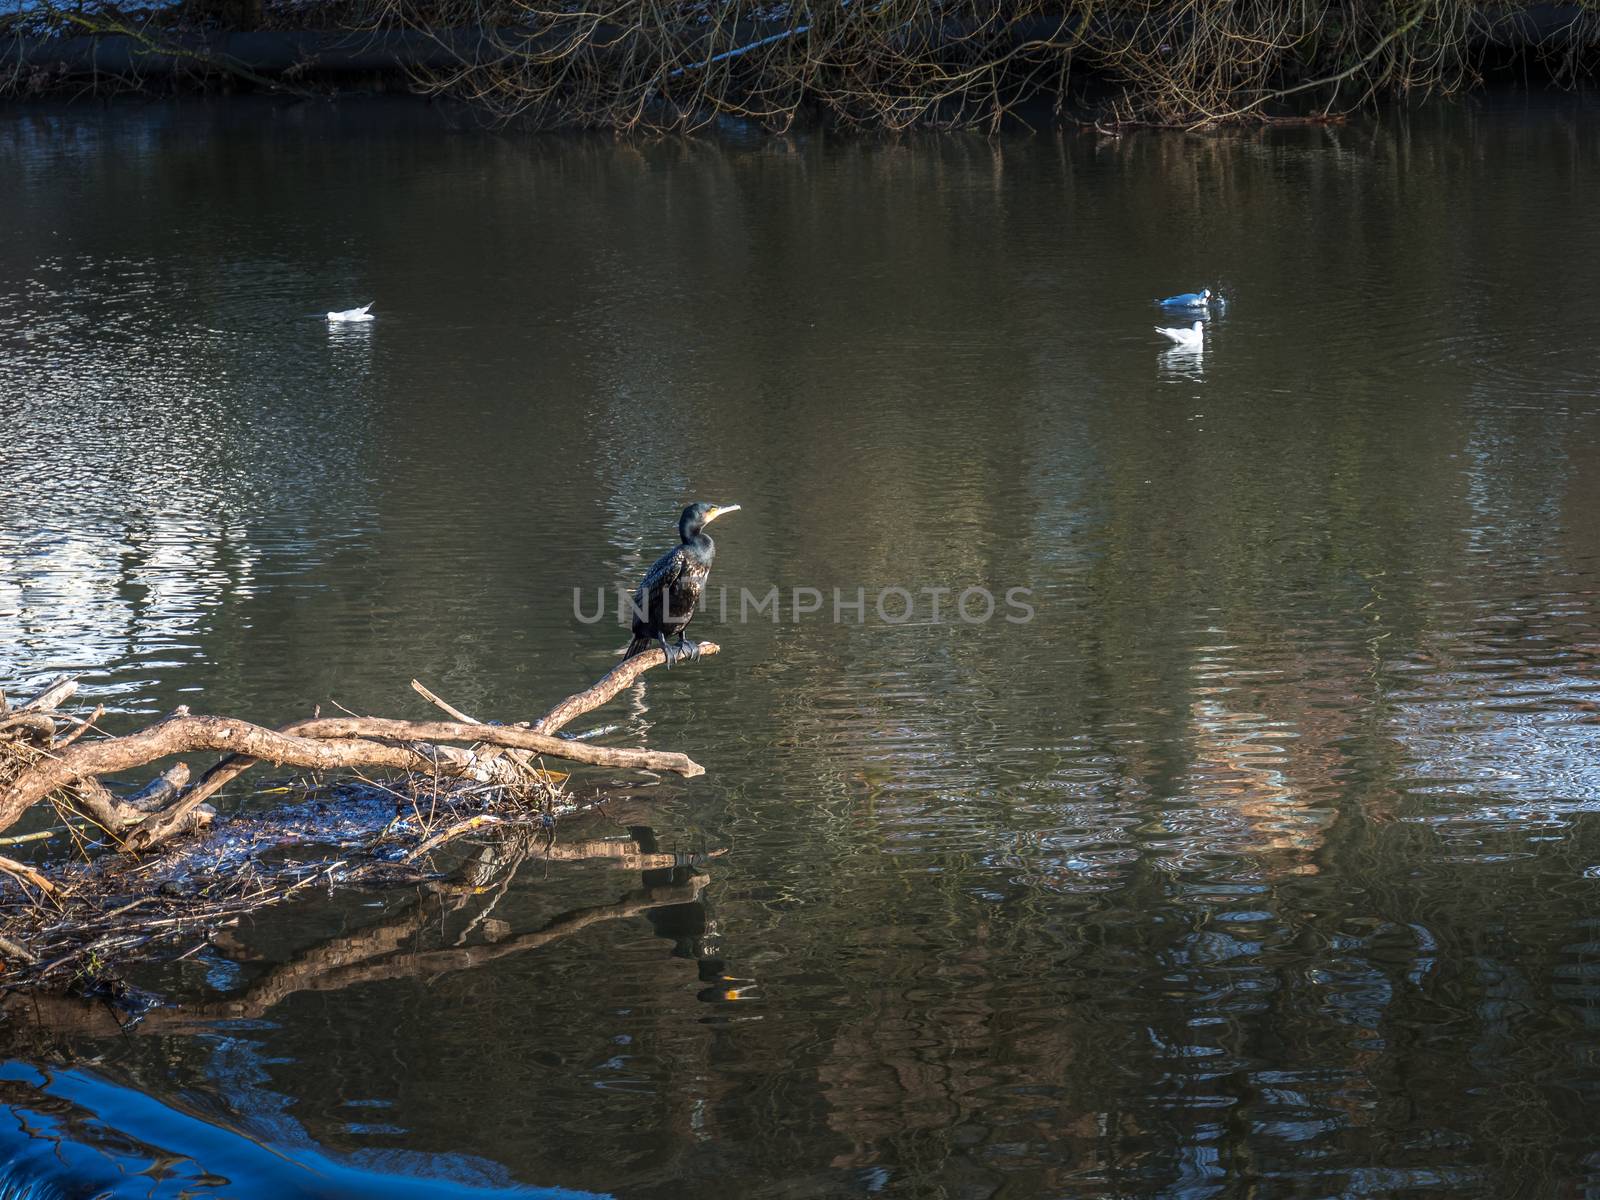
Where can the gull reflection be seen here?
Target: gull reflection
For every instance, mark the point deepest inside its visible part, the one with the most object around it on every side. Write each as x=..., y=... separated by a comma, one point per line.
x=1182, y=362
x=350, y=333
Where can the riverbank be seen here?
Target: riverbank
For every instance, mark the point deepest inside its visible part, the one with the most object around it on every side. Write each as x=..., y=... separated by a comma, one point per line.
x=643, y=66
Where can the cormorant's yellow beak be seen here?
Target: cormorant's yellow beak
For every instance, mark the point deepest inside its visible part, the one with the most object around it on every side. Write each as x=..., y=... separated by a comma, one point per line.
x=720, y=510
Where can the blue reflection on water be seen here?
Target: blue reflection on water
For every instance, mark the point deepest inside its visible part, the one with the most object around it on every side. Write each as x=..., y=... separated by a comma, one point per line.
x=73, y=1132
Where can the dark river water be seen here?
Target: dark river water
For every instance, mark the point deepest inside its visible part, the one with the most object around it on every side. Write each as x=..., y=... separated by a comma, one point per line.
x=1263, y=860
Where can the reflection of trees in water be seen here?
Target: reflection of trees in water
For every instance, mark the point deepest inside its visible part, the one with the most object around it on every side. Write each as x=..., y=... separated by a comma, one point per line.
x=1202, y=1055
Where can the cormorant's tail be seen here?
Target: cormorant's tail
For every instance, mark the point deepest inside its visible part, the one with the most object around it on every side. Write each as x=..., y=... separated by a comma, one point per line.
x=638, y=646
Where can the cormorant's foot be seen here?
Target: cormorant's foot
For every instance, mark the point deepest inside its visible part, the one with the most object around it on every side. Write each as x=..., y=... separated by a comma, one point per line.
x=688, y=648
x=667, y=650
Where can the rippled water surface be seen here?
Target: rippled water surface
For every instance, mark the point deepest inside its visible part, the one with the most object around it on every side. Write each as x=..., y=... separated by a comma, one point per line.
x=1263, y=861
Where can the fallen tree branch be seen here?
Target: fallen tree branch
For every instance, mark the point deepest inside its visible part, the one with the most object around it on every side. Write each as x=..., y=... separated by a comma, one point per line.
x=605, y=688
x=90, y=798
x=481, y=767
x=478, y=821
x=81, y=728
x=17, y=951
x=576, y=705
x=76, y=915
x=321, y=743
x=56, y=693
x=144, y=46
x=439, y=703
x=21, y=723
x=523, y=758
x=160, y=790
x=22, y=871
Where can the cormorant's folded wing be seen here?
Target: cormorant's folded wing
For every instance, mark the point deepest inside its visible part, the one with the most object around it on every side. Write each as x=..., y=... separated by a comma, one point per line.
x=661, y=576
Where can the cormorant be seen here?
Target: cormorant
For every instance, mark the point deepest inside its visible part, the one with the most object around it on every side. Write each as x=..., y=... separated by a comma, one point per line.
x=664, y=601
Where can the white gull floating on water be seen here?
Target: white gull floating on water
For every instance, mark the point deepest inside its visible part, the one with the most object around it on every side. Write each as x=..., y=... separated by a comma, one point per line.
x=1192, y=338
x=353, y=314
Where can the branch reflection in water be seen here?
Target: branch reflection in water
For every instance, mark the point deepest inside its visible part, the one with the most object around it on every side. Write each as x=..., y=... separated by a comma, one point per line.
x=76, y=1125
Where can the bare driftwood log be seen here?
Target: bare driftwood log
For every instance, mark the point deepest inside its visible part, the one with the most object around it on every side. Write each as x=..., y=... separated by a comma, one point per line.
x=324, y=744
x=72, y=768
x=181, y=734
x=30, y=735
x=484, y=767
x=607, y=687
x=161, y=790
x=600, y=692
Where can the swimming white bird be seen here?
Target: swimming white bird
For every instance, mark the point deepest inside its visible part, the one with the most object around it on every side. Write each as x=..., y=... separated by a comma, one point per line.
x=352, y=314
x=1188, y=300
x=1192, y=338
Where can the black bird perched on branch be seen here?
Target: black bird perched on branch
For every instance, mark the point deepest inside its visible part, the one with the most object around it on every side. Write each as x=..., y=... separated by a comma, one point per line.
x=664, y=601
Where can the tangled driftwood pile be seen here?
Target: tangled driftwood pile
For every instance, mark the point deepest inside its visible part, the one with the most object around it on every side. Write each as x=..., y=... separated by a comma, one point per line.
x=113, y=874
